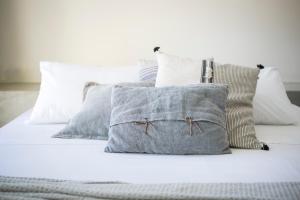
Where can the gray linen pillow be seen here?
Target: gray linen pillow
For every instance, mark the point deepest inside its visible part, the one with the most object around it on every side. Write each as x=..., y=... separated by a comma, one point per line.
x=169, y=120
x=92, y=121
x=239, y=113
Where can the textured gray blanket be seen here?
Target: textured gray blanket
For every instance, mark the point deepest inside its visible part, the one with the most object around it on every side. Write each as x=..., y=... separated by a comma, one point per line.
x=31, y=188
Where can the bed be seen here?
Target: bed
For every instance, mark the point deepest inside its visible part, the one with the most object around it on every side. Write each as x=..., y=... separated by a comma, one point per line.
x=33, y=164
x=29, y=151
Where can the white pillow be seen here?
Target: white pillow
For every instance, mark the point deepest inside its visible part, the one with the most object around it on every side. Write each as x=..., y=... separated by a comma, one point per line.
x=271, y=104
x=177, y=71
x=60, y=95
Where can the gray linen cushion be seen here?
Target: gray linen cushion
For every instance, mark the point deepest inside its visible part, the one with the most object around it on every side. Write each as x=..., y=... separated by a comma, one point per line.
x=239, y=113
x=92, y=121
x=169, y=120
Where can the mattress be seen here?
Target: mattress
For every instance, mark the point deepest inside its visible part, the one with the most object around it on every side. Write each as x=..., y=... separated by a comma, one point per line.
x=29, y=151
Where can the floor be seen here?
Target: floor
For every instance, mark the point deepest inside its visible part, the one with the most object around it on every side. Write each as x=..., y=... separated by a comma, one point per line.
x=15, y=99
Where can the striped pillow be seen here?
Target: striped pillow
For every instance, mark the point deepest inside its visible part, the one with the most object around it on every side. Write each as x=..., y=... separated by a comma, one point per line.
x=239, y=113
x=148, y=70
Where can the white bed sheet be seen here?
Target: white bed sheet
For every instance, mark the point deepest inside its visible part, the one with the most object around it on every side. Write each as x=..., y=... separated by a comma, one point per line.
x=29, y=151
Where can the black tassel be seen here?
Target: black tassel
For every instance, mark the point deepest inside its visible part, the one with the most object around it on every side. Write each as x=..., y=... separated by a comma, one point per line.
x=156, y=49
x=265, y=147
x=260, y=66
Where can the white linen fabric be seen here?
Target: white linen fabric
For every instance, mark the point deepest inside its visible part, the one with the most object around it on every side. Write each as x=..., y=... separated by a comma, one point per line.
x=271, y=104
x=29, y=151
x=60, y=95
x=177, y=71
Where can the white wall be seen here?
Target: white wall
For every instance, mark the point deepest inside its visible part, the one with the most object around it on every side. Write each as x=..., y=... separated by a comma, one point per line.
x=118, y=32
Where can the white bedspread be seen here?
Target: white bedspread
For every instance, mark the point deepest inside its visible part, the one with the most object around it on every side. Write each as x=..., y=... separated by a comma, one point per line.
x=29, y=151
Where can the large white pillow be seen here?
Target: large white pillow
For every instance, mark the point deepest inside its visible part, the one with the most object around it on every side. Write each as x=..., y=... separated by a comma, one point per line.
x=177, y=71
x=271, y=104
x=60, y=95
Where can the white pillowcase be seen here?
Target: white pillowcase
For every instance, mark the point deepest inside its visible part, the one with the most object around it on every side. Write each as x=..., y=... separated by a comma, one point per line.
x=60, y=95
x=177, y=71
x=271, y=104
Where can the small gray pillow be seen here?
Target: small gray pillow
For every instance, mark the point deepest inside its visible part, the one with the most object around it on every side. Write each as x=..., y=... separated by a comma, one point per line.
x=169, y=120
x=92, y=122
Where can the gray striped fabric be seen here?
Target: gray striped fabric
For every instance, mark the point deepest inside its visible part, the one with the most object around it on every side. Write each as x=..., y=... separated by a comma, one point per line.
x=148, y=70
x=240, y=122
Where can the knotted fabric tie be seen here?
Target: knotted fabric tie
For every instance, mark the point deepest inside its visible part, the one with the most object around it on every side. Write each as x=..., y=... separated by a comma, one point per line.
x=190, y=121
x=146, y=123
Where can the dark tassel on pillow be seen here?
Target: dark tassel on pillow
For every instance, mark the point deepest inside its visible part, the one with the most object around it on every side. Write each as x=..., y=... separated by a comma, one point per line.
x=265, y=147
x=156, y=49
x=260, y=66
